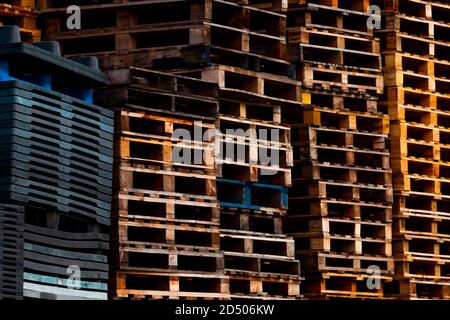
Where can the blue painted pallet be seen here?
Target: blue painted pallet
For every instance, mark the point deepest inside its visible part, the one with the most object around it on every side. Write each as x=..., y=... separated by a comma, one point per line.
x=251, y=196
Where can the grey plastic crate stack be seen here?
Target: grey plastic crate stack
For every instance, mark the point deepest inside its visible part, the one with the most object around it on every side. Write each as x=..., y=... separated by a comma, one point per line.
x=56, y=161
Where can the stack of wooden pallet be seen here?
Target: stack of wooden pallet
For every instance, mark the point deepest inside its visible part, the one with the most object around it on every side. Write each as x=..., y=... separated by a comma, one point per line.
x=254, y=152
x=21, y=13
x=415, y=47
x=56, y=162
x=242, y=49
x=254, y=166
x=166, y=241
x=341, y=199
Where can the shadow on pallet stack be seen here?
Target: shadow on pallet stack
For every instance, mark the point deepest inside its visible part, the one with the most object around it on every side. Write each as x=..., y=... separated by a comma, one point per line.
x=56, y=166
x=415, y=48
x=341, y=199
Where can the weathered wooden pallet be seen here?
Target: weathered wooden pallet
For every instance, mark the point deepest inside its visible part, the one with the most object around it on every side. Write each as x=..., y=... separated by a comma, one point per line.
x=331, y=285
x=167, y=184
x=339, y=155
x=174, y=233
x=266, y=288
x=436, y=10
x=262, y=114
x=167, y=259
x=251, y=221
x=241, y=28
x=331, y=136
x=344, y=58
x=414, y=45
x=417, y=289
x=147, y=94
x=329, y=189
x=417, y=26
x=165, y=209
x=421, y=184
x=343, y=17
x=348, y=262
x=164, y=285
x=264, y=154
x=188, y=56
x=331, y=78
x=338, y=228
x=370, y=212
x=21, y=13
x=326, y=171
x=257, y=243
x=244, y=84
x=260, y=264
x=161, y=152
x=329, y=38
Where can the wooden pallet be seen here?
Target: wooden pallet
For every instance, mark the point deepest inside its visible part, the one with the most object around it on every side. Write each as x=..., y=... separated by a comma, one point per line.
x=237, y=82
x=326, y=171
x=260, y=264
x=417, y=26
x=350, y=59
x=339, y=156
x=252, y=221
x=160, y=93
x=166, y=209
x=168, y=259
x=344, y=17
x=370, y=212
x=135, y=232
x=265, y=288
x=329, y=38
x=337, y=228
x=257, y=243
x=22, y=14
x=346, y=191
x=414, y=45
x=166, y=285
x=141, y=25
x=332, y=78
x=418, y=289
x=266, y=114
x=347, y=263
x=331, y=286
x=420, y=9
x=247, y=161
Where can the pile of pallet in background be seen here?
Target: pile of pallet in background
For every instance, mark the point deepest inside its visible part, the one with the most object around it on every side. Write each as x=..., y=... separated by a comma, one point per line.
x=415, y=45
x=341, y=198
x=21, y=13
